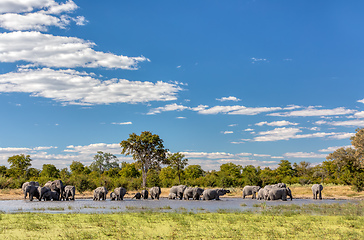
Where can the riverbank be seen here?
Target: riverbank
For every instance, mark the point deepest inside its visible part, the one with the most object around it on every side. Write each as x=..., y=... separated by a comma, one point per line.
x=302, y=192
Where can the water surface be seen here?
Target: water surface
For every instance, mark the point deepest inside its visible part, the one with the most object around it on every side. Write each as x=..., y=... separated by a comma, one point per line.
x=164, y=204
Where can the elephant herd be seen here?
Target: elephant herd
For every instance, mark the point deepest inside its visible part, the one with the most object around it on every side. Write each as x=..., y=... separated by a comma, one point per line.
x=182, y=191
x=56, y=191
x=52, y=190
x=176, y=192
x=277, y=191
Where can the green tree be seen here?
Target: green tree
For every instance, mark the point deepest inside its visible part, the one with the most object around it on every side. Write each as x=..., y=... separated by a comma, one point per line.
x=3, y=170
x=178, y=163
x=346, y=163
x=231, y=169
x=250, y=175
x=358, y=142
x=77, y=167
x=147, y=149
x=49, y=171
x=193, y=171
x=167, y=176
x=104, y=162
x=129, y=170
x=285, y=171
x=19, y=165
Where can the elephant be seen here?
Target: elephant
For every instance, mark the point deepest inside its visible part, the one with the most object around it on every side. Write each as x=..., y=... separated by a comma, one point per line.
x=33, y=192
x=42, y=191
x=192, y=192
x=155, y=192
x=56, y=185
x=279, y=193
x=144, y=194
x=172, y=196
x=120, y=192
x=50, y=195
x=210, y=194
x=113, y=196
x=316, y=189
x=100, y=193
x=137, y=195
x=31, y=183
x=178, y=190
x=250, y=190
x=263, y=194
x=69, y=193
x=280, y=185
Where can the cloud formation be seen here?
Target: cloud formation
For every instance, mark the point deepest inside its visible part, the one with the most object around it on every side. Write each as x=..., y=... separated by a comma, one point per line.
x=314, y=112
x=71, y=87
x=276, y=123
x=230, y=98
x=37, y=15
x=60, y=52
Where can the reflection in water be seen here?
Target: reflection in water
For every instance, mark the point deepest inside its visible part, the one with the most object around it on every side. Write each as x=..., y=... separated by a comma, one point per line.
x=89, y=206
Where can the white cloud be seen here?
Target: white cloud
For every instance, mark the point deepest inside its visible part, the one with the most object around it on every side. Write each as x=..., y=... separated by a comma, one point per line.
x=19, y=15
x=237, y=110
x=248, y=130
x=359, y=114
x=167, y=108
x=56, y=51
x=361, y=101
x=333, y=149
x=342, y=135
x=122, y=123
x=254, y=60
x=228, y=132
x=18, y=6
x=230, y=98
x=292, y=133
x=304, y=155
x=181, y=117
x=276, y=123
x=75, y=88
x=232, y=125
x=313, y=112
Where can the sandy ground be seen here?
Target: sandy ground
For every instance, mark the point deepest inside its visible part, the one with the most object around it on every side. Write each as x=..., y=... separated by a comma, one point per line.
x=303, y=192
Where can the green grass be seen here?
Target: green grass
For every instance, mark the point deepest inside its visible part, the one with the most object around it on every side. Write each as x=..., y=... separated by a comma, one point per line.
x=321, y=221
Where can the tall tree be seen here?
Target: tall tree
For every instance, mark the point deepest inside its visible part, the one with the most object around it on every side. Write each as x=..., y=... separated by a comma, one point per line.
x=104, y=162
x=147, y=149
x=19, y=165
x=49, y=171
x=358, y=142
x=178, y=163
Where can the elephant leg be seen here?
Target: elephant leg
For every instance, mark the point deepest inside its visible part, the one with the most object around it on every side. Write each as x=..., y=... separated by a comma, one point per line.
x=320, y=196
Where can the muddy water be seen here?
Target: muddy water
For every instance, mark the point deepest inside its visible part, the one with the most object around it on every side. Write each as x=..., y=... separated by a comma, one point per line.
x=166, y=205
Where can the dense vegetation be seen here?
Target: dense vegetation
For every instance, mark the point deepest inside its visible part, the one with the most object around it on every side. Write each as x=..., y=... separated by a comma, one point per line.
x=344, y=166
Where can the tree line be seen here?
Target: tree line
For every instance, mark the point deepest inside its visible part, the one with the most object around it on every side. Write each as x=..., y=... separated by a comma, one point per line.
x=154, y=165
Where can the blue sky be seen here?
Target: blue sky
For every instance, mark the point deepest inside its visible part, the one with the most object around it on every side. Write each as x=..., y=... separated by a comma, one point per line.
x=248, y=82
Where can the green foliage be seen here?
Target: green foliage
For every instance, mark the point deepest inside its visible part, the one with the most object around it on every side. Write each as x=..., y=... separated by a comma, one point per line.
x=153, y=178
x=49, y=171
x=129, y=170
x=167, y=177
x=77, y=167
x=193, y=172
x=104, y=162
x=3, y=170
x=178, y=163
x=19, y=165
x=147, y=149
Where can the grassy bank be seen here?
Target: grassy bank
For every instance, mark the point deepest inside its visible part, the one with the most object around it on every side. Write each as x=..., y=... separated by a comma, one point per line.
x=307, y=222
x=298, y=191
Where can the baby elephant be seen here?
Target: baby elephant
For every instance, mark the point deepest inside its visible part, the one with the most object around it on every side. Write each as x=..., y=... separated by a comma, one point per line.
x=138, y=195
x=316, y=189
x=113, y=196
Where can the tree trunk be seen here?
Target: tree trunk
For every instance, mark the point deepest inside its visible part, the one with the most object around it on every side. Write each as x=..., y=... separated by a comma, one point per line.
x=144, y=176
